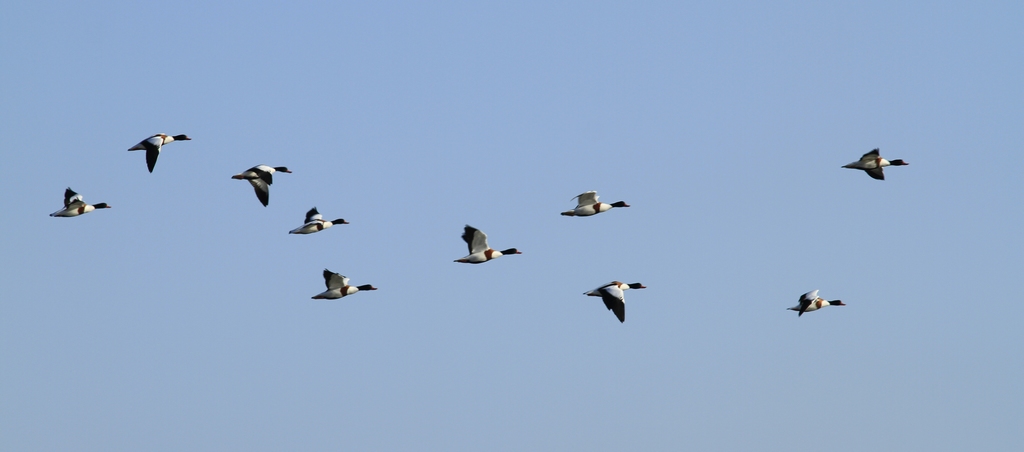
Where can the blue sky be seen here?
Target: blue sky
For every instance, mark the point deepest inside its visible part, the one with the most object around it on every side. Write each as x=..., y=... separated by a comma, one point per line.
x=181, y=318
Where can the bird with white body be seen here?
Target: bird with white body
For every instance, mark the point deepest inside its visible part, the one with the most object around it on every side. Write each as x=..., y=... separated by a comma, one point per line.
x=154, y=144
x=614, y=297
x=872, y=163
x=810, y=301
x=587, y=205
x=479, y=251
x=337, y=287
x=75, y=206
x=261, y=177
x=315, y=223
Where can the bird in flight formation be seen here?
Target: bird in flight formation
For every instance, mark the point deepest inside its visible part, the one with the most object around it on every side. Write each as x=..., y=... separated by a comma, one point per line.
x=261, y=177
x=315, y=223
x=614, y=298
x=154, y=144
x=337, y=287
x=479, y=251
x=612, y=294
x=75, y=206
x=588, y=205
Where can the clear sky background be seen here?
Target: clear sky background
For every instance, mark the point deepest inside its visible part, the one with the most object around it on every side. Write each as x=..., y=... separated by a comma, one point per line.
x=181, y=318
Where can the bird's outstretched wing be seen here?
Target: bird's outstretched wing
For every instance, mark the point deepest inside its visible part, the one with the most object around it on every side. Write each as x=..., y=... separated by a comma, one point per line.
x=262, y=190
x=313, y=215
x=586, y=199
x=870, y=156
x=71, y=197
x=806, y=300
x=151, y=156
x=475, y=238
x=615, y=301
x=334, y=280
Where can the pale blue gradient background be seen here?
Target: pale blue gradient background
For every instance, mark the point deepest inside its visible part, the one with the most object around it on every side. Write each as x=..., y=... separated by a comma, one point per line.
x=180, y=319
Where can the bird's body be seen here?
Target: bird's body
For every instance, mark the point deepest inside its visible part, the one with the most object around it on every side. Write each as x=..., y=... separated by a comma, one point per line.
x=810, y=301
x=75, y=206
x=337, y=287
x=261, y=177
x=154, y=144
x=479, y=251
x=872, y=163
x=587, y=204
x=315, y=223
x=614, y=298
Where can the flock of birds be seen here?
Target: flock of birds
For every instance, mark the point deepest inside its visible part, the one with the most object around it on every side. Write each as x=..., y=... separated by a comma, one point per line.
x=612, y=294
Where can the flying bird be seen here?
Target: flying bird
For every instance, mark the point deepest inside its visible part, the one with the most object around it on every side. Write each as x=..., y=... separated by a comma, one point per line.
x=337, y=287
x=588, y=205
x=810, y=301
x=153, y=144
x=479, y=252
x=872, y=164
x=614, y=298
x=315, y=223
x=261, y=177
x=75, y=206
